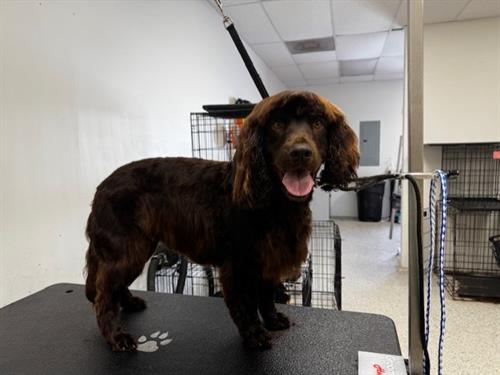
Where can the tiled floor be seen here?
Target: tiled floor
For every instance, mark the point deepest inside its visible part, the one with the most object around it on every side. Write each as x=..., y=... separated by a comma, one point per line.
x=373, y=282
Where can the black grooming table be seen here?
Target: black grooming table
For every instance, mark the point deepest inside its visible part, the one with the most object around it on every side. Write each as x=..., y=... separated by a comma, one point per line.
x=54, y=332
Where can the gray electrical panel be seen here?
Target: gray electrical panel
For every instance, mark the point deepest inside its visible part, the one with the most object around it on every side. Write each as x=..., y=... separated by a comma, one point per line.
x=369, y=139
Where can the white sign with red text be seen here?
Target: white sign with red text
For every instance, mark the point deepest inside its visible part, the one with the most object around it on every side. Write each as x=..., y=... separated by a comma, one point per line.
x=380, y=364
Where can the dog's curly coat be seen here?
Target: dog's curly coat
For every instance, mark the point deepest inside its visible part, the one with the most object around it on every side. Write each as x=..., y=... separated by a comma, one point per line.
x=250, y=217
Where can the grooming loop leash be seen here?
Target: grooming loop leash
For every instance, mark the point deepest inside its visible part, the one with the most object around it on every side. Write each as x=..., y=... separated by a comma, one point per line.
x=436, y=177
x=440, y=177
x=229, y=25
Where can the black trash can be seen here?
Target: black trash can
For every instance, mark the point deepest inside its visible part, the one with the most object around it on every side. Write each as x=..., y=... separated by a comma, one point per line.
x=370, y=202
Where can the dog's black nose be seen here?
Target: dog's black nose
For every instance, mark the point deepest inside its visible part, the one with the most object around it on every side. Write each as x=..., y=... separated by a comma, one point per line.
x=301, y=152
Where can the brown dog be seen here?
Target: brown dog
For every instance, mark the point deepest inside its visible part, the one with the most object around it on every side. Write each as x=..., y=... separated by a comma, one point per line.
x=250, y=217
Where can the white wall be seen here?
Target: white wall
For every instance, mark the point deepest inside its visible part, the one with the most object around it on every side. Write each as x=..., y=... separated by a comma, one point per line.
x=461, y=92
x=462, y=81
x=85, y=87
x=368, y=101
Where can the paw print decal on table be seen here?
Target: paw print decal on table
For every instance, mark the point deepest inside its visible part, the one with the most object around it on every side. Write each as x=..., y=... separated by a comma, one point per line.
x=152, y=345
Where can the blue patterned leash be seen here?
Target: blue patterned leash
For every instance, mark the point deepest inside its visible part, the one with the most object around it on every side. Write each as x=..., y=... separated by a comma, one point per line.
x=442, y=177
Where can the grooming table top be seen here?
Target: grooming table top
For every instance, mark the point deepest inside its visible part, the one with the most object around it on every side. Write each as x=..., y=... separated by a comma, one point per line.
x=54, y=331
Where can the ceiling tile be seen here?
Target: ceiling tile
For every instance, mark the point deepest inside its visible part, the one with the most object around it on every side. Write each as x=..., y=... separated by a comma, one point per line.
x=388, y=77
x=363, y=46
x=252, y=23
x=290, y=75
x=357, y=67
x=363, y=16
x=329, y=69
x=481, y=8
x=274, y=54
x=434, y=11
x=322, y=81
x=304, y=58
x=390, y=66
x=300, y=19
x=395, y=44
x=364, y=78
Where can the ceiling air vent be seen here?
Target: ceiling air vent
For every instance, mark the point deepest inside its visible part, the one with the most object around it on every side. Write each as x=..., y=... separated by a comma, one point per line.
x=310, y=45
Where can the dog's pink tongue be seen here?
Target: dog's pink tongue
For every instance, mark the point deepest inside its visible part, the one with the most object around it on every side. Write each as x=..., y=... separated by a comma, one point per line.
x=298, y=184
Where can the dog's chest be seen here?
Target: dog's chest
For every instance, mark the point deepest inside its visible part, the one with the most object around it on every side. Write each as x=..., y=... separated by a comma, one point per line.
x=283, y=251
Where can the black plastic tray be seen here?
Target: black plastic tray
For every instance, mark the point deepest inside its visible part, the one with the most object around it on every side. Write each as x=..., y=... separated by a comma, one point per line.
x=229, y=110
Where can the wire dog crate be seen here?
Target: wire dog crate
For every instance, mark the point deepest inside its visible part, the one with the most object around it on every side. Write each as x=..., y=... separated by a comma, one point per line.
x=214, y=136
x=472, y=245
x=479, y=171
x=319, y=284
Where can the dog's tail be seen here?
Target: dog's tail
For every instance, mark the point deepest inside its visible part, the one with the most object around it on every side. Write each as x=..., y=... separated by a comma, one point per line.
x=91, y=264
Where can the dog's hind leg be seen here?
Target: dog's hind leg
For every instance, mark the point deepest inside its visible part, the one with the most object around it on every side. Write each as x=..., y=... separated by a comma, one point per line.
x=138, y=257
x=107, y=307
x=131, y=303
x=112, y=281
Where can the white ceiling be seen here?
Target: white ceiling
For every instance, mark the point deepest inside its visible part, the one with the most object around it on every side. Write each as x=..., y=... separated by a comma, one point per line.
x=369, y=42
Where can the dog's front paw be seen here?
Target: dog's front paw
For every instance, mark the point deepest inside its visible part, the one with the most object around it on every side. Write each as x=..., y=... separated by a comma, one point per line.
x=256, y=338
x=123, y=342
x=277, y=322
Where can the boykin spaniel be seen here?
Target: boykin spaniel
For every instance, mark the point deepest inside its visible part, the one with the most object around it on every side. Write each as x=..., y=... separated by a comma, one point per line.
x=249, y=217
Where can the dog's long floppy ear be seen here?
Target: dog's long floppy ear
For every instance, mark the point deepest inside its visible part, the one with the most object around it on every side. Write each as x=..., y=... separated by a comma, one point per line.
x=251, y=179
x=342, y=158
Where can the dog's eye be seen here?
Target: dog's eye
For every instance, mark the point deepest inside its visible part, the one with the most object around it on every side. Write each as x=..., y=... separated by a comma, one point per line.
x=278, y=125
x=318, y=125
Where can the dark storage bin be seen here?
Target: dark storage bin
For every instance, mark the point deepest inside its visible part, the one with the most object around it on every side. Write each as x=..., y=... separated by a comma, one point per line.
x=370, y=203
